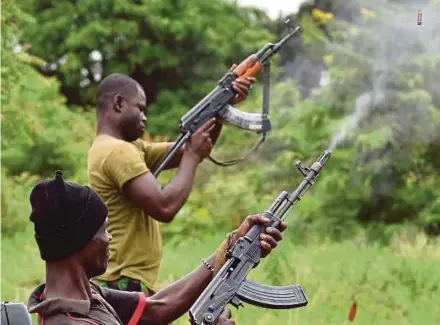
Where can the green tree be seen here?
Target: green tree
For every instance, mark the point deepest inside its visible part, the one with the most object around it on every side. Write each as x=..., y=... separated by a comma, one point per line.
x=379, y=113
x=39, y=133
x=175, y=49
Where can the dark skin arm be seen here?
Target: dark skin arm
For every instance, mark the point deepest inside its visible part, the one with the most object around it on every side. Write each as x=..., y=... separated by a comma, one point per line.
x=242, y=87
x=163, y=204
x=175, y=300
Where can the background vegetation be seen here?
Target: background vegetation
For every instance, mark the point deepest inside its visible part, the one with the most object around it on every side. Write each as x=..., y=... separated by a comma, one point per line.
x=361, y=80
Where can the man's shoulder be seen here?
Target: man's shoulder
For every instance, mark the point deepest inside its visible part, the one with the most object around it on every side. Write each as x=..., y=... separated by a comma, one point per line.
x=107, y=143
x=105, y=146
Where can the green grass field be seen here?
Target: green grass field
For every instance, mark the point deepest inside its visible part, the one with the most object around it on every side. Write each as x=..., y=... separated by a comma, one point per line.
x=399, y=284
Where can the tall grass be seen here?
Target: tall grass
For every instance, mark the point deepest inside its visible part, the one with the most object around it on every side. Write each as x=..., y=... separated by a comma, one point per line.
x=399, y=284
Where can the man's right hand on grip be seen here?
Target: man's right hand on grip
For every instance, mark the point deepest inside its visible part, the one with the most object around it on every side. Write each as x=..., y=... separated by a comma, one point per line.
x=200, y=143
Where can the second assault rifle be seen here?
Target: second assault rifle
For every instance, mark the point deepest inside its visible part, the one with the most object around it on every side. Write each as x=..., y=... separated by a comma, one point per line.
x=217, y=102
x=229, y=285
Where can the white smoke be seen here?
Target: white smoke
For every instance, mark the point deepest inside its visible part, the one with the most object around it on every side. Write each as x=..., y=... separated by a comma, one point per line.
x=391, y=43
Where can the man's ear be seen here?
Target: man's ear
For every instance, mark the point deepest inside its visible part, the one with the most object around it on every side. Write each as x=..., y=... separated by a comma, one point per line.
x=117, y=103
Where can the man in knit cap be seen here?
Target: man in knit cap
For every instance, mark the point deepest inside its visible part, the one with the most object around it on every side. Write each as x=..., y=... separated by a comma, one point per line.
x=69, y=221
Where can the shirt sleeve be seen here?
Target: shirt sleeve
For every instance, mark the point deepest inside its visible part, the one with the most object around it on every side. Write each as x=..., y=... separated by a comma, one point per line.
x=124, y=163
x=155, y=151
x=128, y=305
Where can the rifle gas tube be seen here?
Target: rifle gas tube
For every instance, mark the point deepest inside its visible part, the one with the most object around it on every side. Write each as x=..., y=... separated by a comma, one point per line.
x=229, y=285
x=217, y=103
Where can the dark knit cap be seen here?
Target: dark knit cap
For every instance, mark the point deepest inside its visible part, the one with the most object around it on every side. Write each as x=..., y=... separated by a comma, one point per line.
x=66, y=216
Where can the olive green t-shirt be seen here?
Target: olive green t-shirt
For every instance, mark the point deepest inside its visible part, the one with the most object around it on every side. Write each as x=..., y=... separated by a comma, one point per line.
x=136, y=245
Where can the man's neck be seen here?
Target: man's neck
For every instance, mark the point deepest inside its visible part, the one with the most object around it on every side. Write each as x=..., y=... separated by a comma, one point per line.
x=66, y=279
x=107, y=130
x=108, y=126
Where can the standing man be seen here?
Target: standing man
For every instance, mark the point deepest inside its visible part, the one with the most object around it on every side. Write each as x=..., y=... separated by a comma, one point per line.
x=119, y=164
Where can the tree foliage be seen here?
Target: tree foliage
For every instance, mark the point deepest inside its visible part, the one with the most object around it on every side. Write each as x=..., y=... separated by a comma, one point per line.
x=175, y=49
x=378, y=111
x=39, y=133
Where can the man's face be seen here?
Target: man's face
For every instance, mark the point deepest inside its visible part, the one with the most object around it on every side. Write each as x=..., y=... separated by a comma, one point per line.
x=96, y=253
x=133, y=118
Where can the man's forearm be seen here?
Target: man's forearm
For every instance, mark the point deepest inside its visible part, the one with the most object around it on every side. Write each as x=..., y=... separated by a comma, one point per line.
x=177, y=191
x=175, y=300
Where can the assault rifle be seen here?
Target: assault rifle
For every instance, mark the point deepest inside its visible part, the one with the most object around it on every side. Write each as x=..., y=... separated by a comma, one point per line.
x=217, y=103
x=229, y=285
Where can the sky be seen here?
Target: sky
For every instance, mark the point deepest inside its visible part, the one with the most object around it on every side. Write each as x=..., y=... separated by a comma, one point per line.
x=273, y=7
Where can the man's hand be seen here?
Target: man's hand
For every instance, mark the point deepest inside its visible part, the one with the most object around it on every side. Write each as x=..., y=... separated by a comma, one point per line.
x=200, y=143
x=176, y=299
x=224, y=318
x=269, y=239
x=242, y=87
